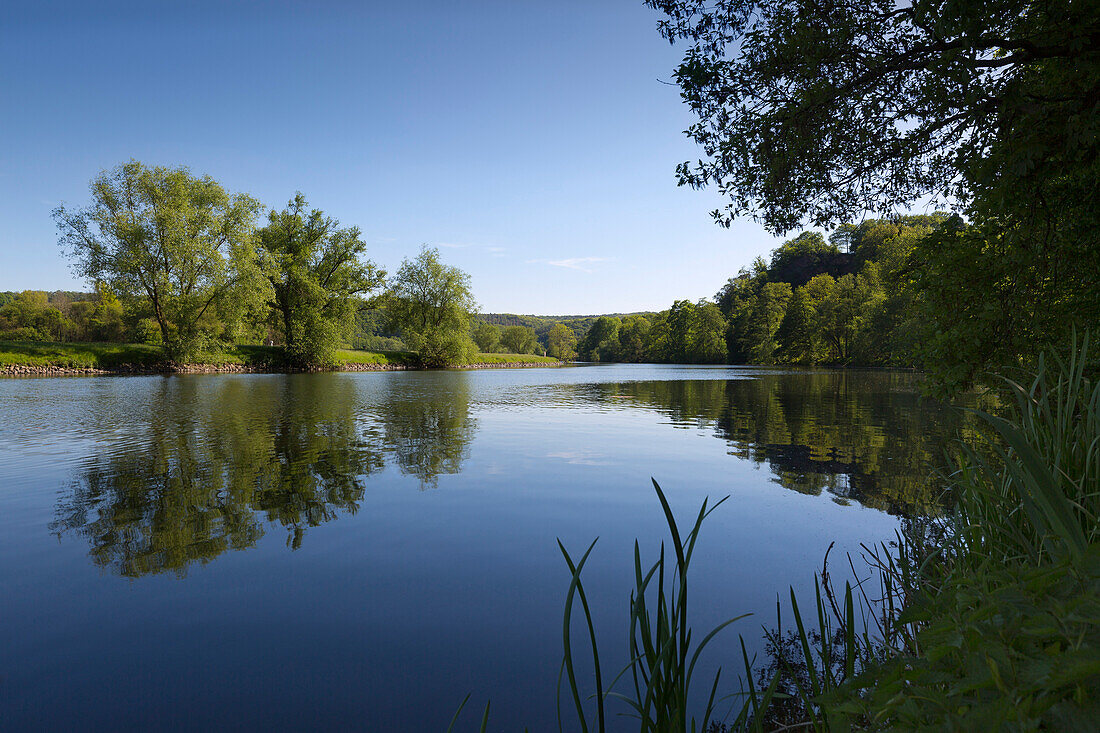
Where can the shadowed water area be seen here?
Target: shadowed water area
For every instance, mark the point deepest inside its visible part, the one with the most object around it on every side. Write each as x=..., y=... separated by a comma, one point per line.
x=362, y=550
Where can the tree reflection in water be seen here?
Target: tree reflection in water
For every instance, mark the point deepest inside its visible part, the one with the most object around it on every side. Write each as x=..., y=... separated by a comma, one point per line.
x=218, y=459
x=427, y=425
x=867, y=436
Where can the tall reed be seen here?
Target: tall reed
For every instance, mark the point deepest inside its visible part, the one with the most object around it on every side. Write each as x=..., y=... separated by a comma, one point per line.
x=1038, y=497
x=662, y=657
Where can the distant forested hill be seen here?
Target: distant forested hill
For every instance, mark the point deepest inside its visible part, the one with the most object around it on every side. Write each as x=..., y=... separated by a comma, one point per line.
x=579, y=325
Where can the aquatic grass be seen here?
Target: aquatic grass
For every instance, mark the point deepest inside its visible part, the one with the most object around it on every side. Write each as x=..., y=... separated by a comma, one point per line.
x=1039, y=494
x=806, y=666
x=1001, y=625
x=484, y=716
x=662, y=658
x=987, y=617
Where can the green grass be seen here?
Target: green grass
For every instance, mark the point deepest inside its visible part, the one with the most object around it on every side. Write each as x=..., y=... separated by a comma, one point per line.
x=350, y=356
x=112, y=356
x=78, y=355
x=513, y=359
x=242, y=354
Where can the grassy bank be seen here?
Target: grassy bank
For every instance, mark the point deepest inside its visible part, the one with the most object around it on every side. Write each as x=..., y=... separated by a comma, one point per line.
x=344, y=357
x=78, y=355
x=514, y=359
x=109, y=356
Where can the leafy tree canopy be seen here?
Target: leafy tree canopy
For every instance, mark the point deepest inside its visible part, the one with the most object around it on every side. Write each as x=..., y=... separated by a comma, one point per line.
x=486, y=336
x=432, y=304
x=519, y=340
x=562, y=342
x=820, y=111
x=317, y=272
x=601, y=343
x=182, y=242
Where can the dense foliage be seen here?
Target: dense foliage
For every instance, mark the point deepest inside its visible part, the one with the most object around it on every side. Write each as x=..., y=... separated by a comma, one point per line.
x=819, y=112
x=542, y=325
x=178, y=262
x=824, y=110
x=432, y=305
x=34, y=315
x=317, y=273
x=850, y=300
x=182, y=244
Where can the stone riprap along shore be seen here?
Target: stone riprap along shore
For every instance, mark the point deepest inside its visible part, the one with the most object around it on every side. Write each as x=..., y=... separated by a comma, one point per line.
x=35, y=370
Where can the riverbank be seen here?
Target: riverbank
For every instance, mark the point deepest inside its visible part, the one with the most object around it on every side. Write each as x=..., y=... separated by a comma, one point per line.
x=19, y=359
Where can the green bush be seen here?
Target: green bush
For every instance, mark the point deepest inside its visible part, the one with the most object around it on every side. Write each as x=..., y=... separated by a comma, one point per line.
x=1001, y=648
x=22, y=334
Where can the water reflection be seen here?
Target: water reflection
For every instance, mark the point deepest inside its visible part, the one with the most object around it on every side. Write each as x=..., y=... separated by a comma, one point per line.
x=864, y=436
x=210, y=464
x=427, y=426
x=218, y=460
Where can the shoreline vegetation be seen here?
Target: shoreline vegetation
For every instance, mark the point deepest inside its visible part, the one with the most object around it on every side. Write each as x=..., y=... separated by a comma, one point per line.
x=986, y=617
x=74, y=359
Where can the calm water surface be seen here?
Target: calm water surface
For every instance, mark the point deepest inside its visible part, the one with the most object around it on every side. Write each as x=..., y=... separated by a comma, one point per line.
x=362, y=550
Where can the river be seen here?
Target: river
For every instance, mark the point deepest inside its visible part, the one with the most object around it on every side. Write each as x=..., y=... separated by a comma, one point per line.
x=362, y=550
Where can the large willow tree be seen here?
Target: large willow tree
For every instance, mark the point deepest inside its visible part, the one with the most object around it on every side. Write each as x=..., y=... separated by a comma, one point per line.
x=821, y=111
x=183, y=245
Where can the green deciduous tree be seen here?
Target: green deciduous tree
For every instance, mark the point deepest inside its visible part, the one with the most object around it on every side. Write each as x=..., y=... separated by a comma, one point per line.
x=29, y=317
x=658, y=346
x=825, y=110
x=486, y=336
x=634, y=337
x=519, y=340
x=796, y=336
x=760, y=322
x=799, y=259
x=681, y=322
x=183, y=243
x=431, y=304
x=101, y=319
x=708, y=335
x=562, y=342
x=822, y=111
x=317, y=273
x=601, y=343
x=843, y=309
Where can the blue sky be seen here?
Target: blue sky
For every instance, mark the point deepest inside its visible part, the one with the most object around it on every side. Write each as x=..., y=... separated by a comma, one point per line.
x=532, y=142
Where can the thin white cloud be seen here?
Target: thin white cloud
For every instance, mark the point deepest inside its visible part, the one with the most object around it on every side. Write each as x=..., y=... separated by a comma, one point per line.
x=576, y=263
